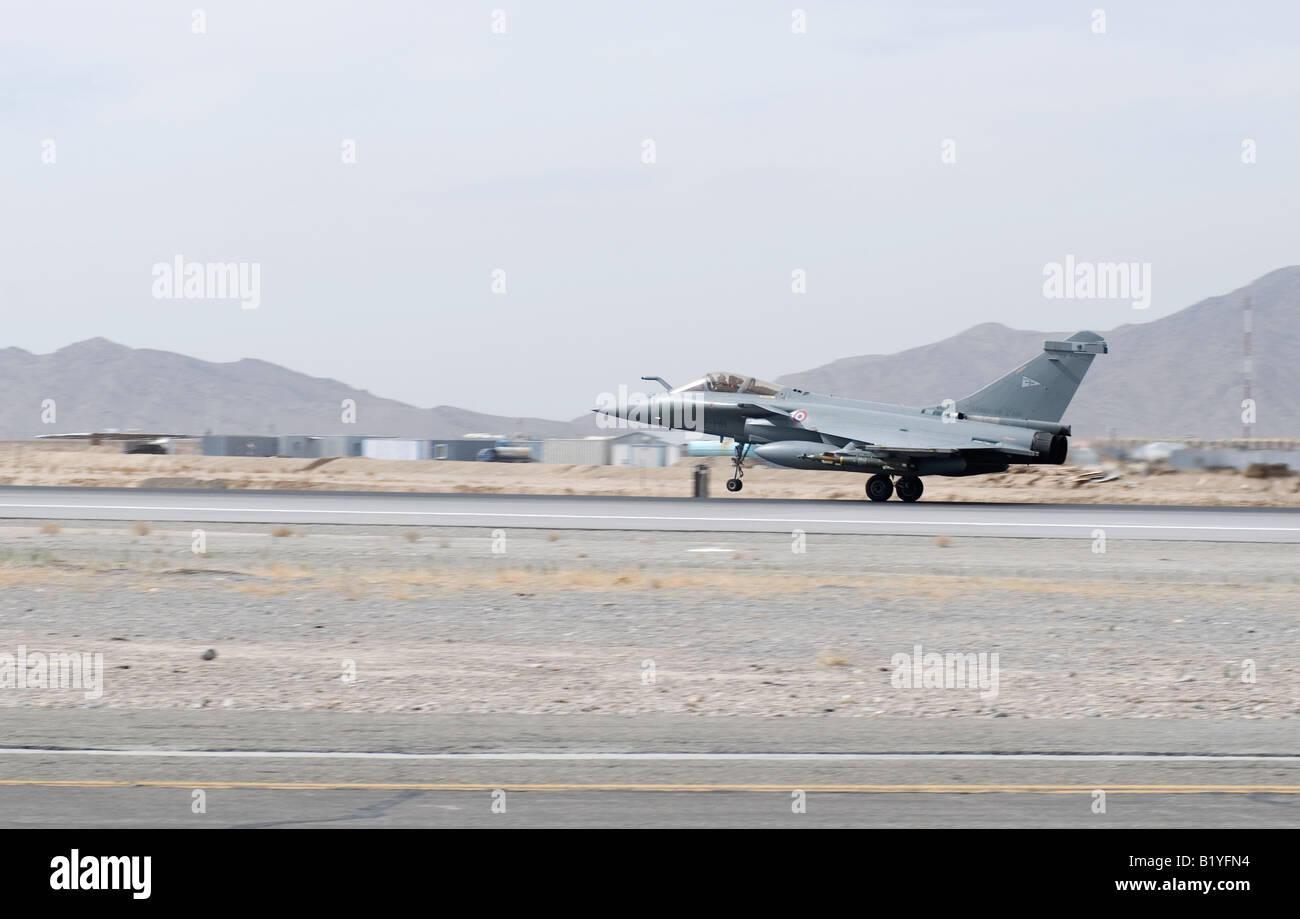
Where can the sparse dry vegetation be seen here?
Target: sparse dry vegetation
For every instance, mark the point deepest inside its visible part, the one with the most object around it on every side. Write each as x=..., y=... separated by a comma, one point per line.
x=280, y=571
x=470, y=631
x=49, y=528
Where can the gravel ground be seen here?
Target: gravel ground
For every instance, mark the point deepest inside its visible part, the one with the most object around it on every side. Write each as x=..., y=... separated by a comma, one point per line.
x=435, y=620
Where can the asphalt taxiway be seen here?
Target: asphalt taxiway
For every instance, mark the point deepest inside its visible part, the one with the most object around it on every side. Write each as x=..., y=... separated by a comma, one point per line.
x=265, y=769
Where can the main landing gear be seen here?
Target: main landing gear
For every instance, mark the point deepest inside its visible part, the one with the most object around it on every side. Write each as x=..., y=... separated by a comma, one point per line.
x=909, y=488
x=734, y=483
x=880, y=487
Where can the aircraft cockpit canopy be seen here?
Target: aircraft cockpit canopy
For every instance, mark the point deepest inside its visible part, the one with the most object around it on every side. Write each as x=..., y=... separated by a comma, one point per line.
x=725, y=381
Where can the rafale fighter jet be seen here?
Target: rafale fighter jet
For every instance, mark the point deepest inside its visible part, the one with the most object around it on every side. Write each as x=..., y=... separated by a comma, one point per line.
x=1015, y=419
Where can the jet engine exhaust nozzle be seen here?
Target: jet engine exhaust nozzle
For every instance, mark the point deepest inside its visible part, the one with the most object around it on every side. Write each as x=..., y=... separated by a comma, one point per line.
x=1051, y=447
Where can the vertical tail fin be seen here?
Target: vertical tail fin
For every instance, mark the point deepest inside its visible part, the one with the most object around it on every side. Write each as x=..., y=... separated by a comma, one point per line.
x=1041, y=388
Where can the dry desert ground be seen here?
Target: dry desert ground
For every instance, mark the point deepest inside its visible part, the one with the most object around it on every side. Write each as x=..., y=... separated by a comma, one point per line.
x=25, y=464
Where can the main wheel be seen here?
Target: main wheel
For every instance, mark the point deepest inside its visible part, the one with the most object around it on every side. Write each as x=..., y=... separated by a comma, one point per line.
x=909, y=488
x=735, y=485
x=879, y=487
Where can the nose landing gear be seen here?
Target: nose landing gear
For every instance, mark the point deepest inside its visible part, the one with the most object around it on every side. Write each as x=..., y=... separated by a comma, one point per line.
x=734, y=483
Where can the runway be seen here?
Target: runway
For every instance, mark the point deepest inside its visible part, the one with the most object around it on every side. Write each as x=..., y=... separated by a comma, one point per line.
x=1218, y=524
x=262, y=769
x=1168, y=763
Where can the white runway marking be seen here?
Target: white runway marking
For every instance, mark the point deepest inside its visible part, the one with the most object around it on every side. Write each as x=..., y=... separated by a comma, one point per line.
x=632, y=757
x=499, y=515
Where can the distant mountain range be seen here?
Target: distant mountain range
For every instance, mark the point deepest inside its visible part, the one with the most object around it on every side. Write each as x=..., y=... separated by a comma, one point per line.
x=1176, y=376
x=98, y=384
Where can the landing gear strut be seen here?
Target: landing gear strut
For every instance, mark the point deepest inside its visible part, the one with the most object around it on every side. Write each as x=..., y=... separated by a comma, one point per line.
x=909, y=487
x=879, y=487
x=734, y=483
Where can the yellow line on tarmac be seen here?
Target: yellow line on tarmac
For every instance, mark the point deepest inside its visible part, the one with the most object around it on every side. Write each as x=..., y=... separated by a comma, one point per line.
x=715, y=787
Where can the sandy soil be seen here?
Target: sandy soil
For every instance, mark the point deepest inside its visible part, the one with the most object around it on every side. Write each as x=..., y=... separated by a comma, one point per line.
x=381, y=619
x=1135, y=484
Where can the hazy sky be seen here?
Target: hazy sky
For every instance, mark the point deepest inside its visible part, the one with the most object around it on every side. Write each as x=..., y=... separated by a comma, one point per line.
x=523, y=151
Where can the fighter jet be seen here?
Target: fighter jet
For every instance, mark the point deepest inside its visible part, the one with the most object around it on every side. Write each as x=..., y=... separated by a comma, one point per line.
x=1014, y=419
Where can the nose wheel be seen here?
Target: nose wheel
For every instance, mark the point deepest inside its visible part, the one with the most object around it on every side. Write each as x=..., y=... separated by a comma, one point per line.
x=734, y=483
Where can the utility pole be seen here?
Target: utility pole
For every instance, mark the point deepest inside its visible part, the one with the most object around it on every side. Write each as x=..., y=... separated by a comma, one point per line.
x=1247, y=367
